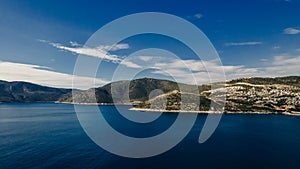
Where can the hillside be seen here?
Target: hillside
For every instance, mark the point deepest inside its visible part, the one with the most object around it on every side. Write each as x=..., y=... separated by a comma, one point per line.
x=28, y=92
x=177, y=100
x=273, y=95
x=288, y=80
x=257, y=95
x=267, y=95
x=138, y=90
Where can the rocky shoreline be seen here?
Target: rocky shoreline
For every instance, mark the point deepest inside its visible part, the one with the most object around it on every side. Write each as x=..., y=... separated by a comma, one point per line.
x=295, y=113
x=213, y=112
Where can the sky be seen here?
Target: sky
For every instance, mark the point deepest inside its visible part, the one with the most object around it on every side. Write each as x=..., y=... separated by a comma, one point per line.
x=41, y=41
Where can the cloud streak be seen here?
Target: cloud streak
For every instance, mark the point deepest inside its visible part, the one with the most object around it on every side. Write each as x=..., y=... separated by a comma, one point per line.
x=243, y=43
x=198, y=15
x=73, y=43
x=284, y=60
x=291, y=31
x=195, y=71
x=101, y=52
x=98, y=52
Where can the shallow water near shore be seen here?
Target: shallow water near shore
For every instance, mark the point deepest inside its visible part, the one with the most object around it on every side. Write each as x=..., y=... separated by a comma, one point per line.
x=48, y=135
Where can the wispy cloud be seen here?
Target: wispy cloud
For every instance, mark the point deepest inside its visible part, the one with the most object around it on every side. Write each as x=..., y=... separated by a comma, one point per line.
x=198, y=15
x=101, y=52
x=11, y=71
x=95, y=52
x=130, y=64
x=73, y=43
x=281, y=65
x=185, y=70
x=243, y=43
x=115, y=47
x=264, y=60
x=191, y=71
x=284, y=65
x=285, y=60
x=148, y=58
x=291, y=31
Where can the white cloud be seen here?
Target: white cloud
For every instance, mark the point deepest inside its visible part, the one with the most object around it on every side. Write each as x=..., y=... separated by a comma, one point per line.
x=242, y=43
x=101, y=52
x=195, y=65
x=10, y=71
x=291, y=31
x=198, y=15
x=95, y=52
x=264, y=60
x=130, y=64
x=284, y=60
x=146, y=58
x=186, y=71
x=189, y=71
x=75, y=44
x=276, y=47
x=114, y=47
x=282, y=65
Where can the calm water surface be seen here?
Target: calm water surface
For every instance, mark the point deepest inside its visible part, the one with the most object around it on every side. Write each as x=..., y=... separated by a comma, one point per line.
x=48, y=135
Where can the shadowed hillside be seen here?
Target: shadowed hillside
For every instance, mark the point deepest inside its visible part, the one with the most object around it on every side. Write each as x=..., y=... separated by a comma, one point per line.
x=28, y=92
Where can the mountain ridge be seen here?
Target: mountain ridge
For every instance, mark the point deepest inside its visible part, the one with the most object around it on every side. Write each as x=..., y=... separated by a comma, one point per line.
x=18, y=91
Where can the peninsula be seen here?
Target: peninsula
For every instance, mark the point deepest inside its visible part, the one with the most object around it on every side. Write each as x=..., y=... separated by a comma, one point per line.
x=280, y=95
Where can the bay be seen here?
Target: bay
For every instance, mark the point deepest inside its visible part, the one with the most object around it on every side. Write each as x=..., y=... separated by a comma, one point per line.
x=48, y=135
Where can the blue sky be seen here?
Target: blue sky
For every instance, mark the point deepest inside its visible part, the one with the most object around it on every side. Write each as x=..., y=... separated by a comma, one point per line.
x=40, y=40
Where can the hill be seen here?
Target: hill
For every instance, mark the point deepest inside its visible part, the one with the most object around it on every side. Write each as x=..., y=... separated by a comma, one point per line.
x=256, y=95
x=28, y=92
x=138, y=89
x=251, y=95
x=288, y=80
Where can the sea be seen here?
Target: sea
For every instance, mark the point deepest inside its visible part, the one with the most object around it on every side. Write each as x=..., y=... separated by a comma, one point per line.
x=49, y=135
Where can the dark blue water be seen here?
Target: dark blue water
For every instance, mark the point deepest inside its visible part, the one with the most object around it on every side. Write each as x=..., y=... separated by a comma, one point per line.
x=48, y=135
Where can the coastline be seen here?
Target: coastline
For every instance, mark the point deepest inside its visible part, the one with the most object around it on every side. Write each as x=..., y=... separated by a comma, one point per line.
x=294, y=113
x=213, y=112
x=95, y=104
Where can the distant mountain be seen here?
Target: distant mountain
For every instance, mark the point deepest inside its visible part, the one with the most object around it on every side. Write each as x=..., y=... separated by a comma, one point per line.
x=28, y=92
